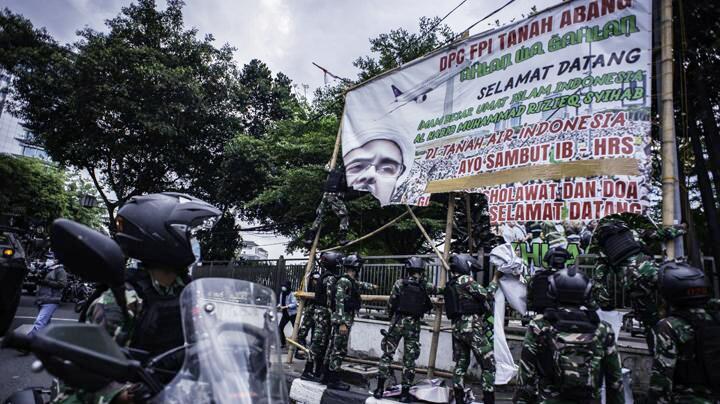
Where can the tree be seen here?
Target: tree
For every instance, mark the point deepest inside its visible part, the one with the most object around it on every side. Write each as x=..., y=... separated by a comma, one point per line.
x=38, y=193
x=145, y=107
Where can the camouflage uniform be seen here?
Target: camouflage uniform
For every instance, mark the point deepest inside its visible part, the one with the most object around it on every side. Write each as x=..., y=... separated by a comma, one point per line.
x=404, y=327
x=534, y=387
x=105, y=311
x=474, y=332
x=334, y=201
x=675, y=341
x=338, y=317
x=307, y=323
x=640, y=281
x=321, y=318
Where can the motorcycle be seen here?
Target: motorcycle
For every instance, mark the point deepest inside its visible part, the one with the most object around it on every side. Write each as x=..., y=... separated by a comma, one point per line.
x=231, y=350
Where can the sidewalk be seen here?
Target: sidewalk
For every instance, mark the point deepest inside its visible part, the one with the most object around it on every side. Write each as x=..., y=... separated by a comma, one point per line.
x=362, y=379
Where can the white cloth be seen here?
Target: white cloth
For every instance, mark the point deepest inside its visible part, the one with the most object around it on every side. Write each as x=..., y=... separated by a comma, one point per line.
x=505, y=368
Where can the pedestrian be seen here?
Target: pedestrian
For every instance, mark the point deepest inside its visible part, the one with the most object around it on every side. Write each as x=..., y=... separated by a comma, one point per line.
x=409, y=301
x=345, y=303
x=686, y=364
x=467, y=305
x=568, y=351
x=287, y=304
x=48, y=295
x=330, y=262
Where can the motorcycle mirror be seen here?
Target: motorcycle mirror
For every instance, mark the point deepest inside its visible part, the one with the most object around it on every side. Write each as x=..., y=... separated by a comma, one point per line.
x=87, y=253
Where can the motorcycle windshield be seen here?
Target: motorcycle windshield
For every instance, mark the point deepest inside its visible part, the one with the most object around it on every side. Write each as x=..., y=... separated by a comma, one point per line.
x=232, y=345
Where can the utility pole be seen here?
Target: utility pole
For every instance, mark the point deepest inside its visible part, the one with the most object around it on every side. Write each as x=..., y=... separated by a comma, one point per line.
x=670, y=190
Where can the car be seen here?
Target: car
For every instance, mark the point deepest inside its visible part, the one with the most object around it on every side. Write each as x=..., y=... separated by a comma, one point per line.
x=13, y=268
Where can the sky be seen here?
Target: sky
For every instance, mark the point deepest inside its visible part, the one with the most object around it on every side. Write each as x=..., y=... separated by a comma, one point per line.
x=288, y=35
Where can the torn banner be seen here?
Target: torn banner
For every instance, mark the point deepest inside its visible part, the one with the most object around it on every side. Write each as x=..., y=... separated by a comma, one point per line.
x=548, y=116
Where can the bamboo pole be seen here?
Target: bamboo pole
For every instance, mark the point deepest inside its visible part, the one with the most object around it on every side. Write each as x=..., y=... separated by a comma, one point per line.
x=372, y=233
x=311, y=254
x=669, y=154
x=468, y=223
x=443, y=262
x=441, y=282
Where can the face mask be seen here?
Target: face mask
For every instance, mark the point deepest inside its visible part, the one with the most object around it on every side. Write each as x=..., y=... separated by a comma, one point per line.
x=284, y=289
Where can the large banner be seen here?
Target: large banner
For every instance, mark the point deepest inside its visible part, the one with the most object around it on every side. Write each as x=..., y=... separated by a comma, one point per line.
x=549, y=117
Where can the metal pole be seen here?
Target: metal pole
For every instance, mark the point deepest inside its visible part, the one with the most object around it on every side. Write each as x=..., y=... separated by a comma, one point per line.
x=669, y=154
x=441, y=282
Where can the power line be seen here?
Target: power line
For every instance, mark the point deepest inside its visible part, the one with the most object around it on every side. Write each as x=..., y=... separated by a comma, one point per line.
x=478, y=22
x=442, y=19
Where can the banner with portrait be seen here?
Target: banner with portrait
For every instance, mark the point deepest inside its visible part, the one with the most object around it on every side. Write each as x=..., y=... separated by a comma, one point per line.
x=549, y=117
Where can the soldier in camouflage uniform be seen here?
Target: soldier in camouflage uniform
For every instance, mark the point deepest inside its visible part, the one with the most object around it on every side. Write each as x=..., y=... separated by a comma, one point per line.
x=409, y=301
x=308, y=319
x=330, y=262
x=469, y=306
x=333, y=198
x=568, y=351
x=155, y=229
x=345, y=302
x=621, y=253
x=686, y=365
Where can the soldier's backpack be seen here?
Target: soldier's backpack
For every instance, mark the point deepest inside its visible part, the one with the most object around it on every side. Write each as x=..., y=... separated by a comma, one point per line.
x=617, y=242
x=538, y=299
x=572, y=347
x=704, y=369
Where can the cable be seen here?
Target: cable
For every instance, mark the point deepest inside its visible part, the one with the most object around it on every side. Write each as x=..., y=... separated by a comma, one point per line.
x=441, y=20
x=453, y=39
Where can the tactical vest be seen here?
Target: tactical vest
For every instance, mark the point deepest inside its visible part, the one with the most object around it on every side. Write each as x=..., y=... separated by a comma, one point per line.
x=538, y=299
x=353, y=301
x=704, y=368
x=413, y=299
x=159, y=325
x=458, y=302
x=321, y=297
x=618, y=243
x=566, y=360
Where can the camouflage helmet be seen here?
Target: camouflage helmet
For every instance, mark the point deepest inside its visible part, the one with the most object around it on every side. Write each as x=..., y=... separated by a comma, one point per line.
x=683, y=285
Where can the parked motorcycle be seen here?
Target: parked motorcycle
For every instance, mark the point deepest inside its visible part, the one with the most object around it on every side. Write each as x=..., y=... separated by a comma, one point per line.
x=231, y=350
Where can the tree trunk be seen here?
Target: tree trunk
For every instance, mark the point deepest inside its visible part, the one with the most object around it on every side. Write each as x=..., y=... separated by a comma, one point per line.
x=711, y=132
x=706, y=193
x=691, y=241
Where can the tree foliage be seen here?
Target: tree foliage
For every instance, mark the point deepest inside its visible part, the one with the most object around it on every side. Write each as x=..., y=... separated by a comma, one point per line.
x=41, y=193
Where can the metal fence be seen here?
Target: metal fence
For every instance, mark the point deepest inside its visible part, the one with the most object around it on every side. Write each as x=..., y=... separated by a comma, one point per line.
x=383, y=271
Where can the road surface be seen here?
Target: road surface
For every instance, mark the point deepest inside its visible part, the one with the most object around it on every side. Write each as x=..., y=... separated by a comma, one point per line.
x=15, y=372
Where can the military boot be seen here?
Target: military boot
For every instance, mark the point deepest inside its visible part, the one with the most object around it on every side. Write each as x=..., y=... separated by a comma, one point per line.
x=380, y=389
x=405, y=396
x=459, y=394
x=334, y=382
x=308, y=373
x=488, y=397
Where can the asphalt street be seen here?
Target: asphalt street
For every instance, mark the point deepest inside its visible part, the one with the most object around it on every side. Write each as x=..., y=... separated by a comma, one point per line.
x=15, y=368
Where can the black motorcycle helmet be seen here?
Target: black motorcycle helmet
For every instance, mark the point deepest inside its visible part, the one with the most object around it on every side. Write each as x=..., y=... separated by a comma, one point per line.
x=568, y=286
x=463, y=264
x=683, y=285
x=556, y=258
x=156, y=228
x=414, y=265
x=330, y=260
x=353, y=262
